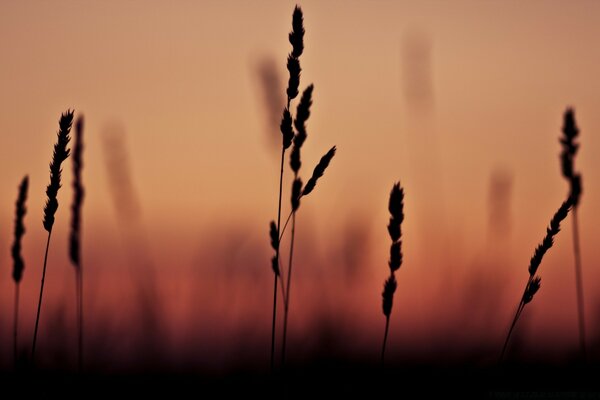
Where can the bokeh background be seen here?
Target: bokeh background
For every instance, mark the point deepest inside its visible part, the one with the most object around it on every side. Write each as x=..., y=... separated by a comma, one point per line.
x=461, y=101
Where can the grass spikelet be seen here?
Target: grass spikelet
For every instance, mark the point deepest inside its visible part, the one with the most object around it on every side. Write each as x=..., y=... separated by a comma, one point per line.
x=533, y=282
x=287, y=131
x=293, y=66
x=302, y=115
x=59, y=155
x=296, y=36
x=567, y=158
x=75, y=234
x=18, y=262
x=318, y=171
x=396, y=209
x=548, y=240
x=389, y=288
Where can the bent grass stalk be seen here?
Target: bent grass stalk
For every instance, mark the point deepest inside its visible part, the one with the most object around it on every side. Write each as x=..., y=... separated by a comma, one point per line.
x=18, y=263
x=533, y=281
x=59, y=155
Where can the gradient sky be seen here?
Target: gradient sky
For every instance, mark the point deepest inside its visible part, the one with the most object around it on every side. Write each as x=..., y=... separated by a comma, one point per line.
x=443, y=96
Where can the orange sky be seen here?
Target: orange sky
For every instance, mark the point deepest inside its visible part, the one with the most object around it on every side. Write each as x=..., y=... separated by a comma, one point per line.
x=439, y=95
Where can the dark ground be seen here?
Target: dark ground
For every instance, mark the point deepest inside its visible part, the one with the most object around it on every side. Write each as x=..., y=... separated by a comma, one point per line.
x=321, y=379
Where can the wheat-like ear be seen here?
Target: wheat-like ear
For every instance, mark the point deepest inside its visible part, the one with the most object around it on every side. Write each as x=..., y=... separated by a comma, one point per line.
x=59, y=155
x=389, y=288
x=296, y=36
x=318, y=171
x=302, y=115
x=548, y=240
x=287, y=131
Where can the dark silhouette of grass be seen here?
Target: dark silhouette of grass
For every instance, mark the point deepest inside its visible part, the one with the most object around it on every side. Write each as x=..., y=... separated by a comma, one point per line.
x=18, y=263
x=296, y=38
x=318, y=172
x=396, y=208
x=533, y=282
x=75, y=235
x=60, y=154
x=302, y=115
x=567, y=158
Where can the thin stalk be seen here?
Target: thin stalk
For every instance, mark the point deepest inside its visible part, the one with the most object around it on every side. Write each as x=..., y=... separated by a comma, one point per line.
x=579, y=282
x=286, y=299
x=512, y=327
x=277, y=255
x=39, y=308
x=385, y=335
x=285, y=225
x=515, y=319
x=274, y=323
x=16, y=325
x=79, y=295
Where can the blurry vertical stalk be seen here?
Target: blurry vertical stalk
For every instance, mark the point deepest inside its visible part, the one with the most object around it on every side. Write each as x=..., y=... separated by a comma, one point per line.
x=396, y=208
x=18, y=263
x=533, y=281
x=75, y=235
x=567, y=158
x=59, y=155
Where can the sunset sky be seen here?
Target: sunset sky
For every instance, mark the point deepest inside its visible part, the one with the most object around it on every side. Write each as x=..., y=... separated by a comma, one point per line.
x=460, y=101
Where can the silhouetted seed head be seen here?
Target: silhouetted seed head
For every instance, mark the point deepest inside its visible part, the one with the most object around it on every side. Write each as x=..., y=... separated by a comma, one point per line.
x=395, y=256
x=296, y=193
x=274, y=235
x=396, y=204
x=570, y=132
x=396, y=208
x=78, y=194
x=293, y=66
x=21, y=210
x=394, y=229
x=275, y=265
x=389, y=287
x=532, y=287
x=59, y=155
x=287, y=131
x=567, y=156
x=295, y=162
x=296, y=36
x=551, y=231
x=318, y=171
x=302, y=115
